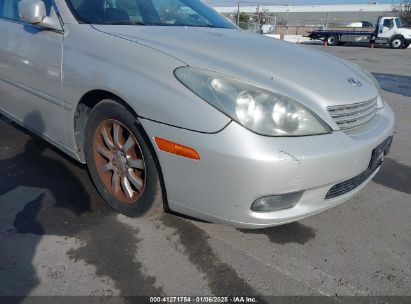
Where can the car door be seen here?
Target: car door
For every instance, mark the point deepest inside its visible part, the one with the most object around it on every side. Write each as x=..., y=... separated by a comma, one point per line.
x=30, y=73
x=387, y=28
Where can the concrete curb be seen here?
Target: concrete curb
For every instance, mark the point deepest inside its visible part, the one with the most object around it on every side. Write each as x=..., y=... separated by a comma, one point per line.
x=290, y=38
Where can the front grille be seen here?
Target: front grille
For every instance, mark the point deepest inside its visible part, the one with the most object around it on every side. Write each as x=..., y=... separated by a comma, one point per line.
x=375, y=163
x=353, y=115
x=349, y=185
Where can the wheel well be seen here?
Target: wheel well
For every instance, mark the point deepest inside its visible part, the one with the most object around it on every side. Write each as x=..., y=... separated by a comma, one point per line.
x=88, y=102
x=397, y=36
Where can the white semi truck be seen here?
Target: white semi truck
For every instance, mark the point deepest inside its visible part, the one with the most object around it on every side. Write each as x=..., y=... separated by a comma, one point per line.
x=388, y=30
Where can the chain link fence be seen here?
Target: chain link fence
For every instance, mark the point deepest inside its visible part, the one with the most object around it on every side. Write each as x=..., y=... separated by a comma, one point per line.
x=280, y=29
x=266, y=22
x=298, y=27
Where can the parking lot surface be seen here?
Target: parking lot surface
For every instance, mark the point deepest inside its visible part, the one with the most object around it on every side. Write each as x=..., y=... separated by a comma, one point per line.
x=57, y=236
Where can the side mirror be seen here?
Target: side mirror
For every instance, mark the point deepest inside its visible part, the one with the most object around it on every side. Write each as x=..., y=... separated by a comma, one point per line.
x=34, y=12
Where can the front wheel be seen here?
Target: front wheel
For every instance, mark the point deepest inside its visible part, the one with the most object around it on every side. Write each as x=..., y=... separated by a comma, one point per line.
x=120, y=162
x=397, y=42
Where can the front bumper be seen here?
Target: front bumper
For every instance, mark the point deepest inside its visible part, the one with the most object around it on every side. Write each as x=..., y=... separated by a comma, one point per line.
x=237, y=167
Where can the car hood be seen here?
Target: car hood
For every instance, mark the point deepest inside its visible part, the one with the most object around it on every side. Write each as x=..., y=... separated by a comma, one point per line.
x=406, y=30
x=314, y=78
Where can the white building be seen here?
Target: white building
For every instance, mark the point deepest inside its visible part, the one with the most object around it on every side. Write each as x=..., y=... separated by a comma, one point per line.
x=311, y=8
x=308, y=14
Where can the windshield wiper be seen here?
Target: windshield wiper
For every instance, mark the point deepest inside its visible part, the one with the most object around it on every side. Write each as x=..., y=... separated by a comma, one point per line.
x=207, y=25
x=187, y=25
x=123, y=23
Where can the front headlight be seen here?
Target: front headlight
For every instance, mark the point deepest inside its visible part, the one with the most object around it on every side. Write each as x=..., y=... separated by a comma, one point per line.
x=259, y=110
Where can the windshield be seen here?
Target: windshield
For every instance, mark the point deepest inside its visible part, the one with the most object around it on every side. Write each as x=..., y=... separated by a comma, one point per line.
x=398, y=22
x=148, y=12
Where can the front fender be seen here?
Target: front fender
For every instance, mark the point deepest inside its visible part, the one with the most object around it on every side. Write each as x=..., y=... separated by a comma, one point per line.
x=141, y=76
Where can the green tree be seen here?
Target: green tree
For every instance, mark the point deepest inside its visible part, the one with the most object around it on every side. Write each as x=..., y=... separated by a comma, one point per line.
x=244, y=18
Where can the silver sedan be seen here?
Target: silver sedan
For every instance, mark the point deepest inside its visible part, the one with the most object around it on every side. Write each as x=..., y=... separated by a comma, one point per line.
x=171, y=106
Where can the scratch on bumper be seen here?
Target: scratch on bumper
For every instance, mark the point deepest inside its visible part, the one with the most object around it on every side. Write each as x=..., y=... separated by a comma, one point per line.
x=290, y=156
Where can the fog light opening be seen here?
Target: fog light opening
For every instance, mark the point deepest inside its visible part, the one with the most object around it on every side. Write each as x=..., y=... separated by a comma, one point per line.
x=276, y=202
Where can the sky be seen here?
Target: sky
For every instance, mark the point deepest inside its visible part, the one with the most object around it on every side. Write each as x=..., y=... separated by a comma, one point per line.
x=292, y=2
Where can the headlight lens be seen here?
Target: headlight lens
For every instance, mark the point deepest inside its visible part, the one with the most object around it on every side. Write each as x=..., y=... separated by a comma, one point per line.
x=259, y=110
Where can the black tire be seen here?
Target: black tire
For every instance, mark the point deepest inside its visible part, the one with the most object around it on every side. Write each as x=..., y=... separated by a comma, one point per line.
x=397, y=42
x=150, y=200
x=333, y=40
x=406, y=45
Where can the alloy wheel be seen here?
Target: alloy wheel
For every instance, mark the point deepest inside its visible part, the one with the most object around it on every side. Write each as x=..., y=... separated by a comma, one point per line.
x=119, y=161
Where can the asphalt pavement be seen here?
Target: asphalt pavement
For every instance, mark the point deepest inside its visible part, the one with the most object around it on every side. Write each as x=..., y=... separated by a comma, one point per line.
x=57, y=236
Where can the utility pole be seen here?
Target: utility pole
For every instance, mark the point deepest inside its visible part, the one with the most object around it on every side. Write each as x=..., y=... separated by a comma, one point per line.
x=238, y=12
x=327, y=20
